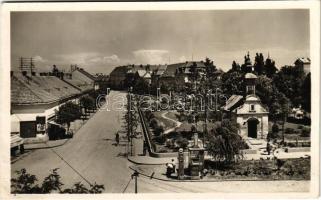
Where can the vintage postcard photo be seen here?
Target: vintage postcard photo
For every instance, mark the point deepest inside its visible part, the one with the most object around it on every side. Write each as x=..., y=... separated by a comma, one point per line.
x=139, y=98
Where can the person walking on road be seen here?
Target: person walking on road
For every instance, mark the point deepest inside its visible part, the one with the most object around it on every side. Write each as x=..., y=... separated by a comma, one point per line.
x=117, y=139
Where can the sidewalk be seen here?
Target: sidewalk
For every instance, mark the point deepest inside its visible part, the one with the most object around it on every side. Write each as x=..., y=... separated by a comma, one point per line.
x=147, y=160
x=48, y=144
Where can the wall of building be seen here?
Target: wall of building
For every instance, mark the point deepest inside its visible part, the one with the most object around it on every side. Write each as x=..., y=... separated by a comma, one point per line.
x=262, y=126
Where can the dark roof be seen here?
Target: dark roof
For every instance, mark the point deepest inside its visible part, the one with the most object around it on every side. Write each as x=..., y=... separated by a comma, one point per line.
x=232, y=102
x=119, y=70
x=171, y=70
x=39, y=89
x=199, y=64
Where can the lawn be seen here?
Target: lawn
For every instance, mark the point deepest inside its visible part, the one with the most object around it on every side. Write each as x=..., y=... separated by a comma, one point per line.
x=167, y=123
x=293, y=132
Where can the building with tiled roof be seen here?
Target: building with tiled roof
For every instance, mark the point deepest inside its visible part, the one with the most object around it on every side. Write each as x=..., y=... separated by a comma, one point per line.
x=118, y=76
x=82, y=79
x=34, y=100
x=39, y=89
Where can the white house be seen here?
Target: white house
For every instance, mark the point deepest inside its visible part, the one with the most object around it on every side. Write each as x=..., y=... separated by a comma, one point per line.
x=249, y=112
x=34, y=100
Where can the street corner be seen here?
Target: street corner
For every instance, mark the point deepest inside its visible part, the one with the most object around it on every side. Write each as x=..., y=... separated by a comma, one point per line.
x=153, y=172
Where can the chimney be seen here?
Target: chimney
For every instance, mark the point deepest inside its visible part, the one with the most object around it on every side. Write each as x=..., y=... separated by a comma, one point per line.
x=195, y=139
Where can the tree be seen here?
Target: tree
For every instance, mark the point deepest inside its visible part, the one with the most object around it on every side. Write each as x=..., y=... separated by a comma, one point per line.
x=233, y=83
x=141, y=86
x=210, y=67
x=270, y=68
x=26, y=183
x=235, y=67
x=182, y=142
x=265, y=90
x=159, y=130
x=289, y=81
x=87, y=102
x=306, y=93
x=131, y=120
x=67, y=113
x=225, y=144
x=259, y=64
x=275, y=130
x=194, y=74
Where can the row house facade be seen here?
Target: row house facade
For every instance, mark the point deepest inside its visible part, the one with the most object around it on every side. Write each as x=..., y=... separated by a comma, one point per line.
x=36, y=97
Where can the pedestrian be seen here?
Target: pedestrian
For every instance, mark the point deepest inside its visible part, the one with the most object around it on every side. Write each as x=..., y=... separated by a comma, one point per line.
x=169, y=169
x=174, y=166
x=117, y=139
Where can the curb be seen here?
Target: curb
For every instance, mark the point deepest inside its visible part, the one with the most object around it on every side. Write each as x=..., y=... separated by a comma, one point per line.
x=48, y=146
x=215, y=180
x=139, y=163
x=21, y=156
x=36, y=148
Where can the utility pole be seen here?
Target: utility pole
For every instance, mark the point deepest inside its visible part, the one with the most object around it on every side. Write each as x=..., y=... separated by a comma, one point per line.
x=128, y=121
x=131, y=121
x=208, y=95
x=135, y=175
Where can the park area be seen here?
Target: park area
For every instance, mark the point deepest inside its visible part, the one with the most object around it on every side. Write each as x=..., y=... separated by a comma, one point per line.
x=170, y=131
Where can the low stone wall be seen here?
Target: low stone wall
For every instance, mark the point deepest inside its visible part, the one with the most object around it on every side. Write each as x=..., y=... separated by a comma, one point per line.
x=249, y=151
x=297, y=149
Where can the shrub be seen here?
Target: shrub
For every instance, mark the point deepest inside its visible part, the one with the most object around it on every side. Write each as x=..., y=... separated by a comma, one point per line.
x=306, y=132
x=153, y=123
x=182, y=142
x=169, y=143
x=26, y=183
x=275, y=129
x=160, y=139
x=290, y=144
x=289, y=131
x=159, y=130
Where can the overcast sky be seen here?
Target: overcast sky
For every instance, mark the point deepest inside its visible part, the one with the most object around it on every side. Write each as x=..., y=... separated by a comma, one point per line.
x=99, y=41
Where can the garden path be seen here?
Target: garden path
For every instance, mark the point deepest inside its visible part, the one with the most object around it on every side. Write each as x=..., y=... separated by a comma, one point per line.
x=178, y=124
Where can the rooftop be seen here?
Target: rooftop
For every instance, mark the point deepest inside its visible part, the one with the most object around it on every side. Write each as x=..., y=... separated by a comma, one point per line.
x=39, y=89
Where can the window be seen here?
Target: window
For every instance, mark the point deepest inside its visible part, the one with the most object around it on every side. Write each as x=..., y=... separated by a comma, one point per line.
x=252, y=108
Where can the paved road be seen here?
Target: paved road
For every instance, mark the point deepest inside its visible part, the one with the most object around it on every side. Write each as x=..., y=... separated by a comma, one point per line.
x=91, y=152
